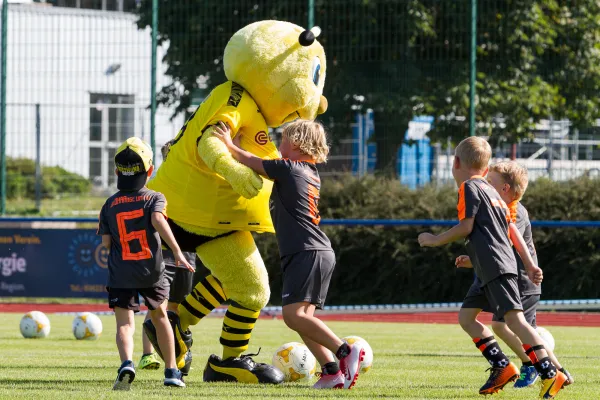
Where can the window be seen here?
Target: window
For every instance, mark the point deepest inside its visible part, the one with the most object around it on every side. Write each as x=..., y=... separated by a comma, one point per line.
x=112, y=120
x=108, y=5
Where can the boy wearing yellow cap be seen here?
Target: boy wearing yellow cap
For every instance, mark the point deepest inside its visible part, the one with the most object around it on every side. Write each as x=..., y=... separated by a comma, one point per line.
x=131, y=223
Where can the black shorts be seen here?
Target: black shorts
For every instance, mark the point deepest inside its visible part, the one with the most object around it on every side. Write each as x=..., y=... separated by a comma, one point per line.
x=529, y=303
x=129, y=298
x=498, y=296
x=180, y=282
x=306, y=276
x=188, y=241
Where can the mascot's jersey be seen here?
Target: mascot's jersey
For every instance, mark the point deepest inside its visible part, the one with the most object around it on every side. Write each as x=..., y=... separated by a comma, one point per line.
x=197, y=195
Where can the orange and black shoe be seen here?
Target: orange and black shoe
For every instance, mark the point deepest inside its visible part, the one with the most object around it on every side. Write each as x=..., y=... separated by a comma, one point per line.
x=500, y=377
x=551, y=386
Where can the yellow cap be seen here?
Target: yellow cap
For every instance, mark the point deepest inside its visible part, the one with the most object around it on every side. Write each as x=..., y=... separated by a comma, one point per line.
x=133, y=160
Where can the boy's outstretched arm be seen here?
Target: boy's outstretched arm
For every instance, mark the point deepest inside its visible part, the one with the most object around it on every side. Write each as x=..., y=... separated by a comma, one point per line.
x=164, y=230
x=460, y=231
x=534, y=273
x=223, y=132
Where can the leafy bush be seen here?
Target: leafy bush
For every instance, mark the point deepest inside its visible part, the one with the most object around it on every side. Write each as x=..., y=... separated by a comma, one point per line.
x=385, y=265
x=56, y=181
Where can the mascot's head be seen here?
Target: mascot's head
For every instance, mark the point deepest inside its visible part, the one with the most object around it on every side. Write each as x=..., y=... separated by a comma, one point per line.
x=282, y=66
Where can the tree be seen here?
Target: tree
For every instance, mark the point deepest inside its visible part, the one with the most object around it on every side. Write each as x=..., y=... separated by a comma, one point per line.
x=535, y=59
x=411, y=57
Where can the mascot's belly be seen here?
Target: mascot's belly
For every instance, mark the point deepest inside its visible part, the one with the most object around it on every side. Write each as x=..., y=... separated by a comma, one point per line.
x=204, y=200
x=200, y=199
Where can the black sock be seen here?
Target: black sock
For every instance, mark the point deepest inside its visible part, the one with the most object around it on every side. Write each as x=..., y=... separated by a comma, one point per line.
x=546, y=368
x=331, y=368
x=343, y=351
x=527, y=364
x=146, y=354
x=491, y=351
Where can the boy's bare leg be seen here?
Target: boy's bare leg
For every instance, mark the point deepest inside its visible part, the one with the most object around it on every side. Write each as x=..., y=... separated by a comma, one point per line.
x=300, y=318
x=321, y=353
x=173, y=307
x=526, y=333
x=509, y=337
x=164, y=334
x=125, y=331
x=467, y=318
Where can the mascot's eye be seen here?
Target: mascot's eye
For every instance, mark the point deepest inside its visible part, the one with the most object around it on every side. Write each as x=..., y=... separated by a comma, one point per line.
x=316, y=71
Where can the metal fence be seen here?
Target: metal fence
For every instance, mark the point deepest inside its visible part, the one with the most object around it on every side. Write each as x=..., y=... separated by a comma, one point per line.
x=78, y=80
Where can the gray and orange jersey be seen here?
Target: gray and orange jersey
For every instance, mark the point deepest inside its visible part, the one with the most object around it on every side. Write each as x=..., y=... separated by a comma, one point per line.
x=295, y=206
x=488, y=245
x=135, y=260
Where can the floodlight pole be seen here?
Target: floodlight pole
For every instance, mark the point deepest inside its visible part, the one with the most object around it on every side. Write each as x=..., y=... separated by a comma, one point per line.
x=3, y=109
x=473, y=68
x=153, y=79
x=311, y=13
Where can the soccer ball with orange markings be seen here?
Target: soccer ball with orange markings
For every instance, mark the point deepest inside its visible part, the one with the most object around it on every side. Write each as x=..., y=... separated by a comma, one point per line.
x=367, y=362
x=295, y=361
x=35, y=324
x=87, y=326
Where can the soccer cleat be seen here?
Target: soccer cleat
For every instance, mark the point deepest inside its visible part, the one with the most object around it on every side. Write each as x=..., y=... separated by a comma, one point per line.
x=125, y=376
x=173, y=377
x=330, y=381
x=570, y=379
x=528, y=376
x=242, y=369
x=551, y=386
x=183, y=340
x=350, y=365
x=149, y=361
x=499, y=377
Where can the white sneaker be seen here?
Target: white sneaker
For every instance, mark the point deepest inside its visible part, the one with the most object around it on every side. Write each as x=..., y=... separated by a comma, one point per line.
x=350, y=365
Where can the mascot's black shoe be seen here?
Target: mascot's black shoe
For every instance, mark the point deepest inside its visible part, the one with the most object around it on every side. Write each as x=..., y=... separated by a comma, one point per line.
x=242, y=369
x=183, y=341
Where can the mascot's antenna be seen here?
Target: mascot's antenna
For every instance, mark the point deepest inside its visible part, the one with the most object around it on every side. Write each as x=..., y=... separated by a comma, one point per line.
x=308, y=37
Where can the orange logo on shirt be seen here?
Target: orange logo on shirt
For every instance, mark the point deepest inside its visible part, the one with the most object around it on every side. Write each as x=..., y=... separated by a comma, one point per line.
x=261, y=138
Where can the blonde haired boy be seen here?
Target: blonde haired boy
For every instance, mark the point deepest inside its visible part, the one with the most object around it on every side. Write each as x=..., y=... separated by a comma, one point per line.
x=307, y=259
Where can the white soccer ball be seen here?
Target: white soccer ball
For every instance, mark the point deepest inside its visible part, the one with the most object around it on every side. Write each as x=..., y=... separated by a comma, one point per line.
x=546, y=337
x=35, y=324
x=87, y=326
x=367, y=362
x=295, y=361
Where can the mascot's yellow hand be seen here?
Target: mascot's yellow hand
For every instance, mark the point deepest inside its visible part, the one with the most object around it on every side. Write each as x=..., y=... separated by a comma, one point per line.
x=217, y=157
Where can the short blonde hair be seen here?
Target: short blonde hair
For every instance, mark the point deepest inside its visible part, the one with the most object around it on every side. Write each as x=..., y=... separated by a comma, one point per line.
x=514, y=175
x=474, y=152
x=310, y=137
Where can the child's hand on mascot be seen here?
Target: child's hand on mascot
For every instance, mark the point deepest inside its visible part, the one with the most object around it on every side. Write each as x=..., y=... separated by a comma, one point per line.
x=223, y=132
x=242, y=179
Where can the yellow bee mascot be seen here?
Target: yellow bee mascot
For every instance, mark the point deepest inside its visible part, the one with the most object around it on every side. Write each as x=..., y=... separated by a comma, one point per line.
x=276, y=74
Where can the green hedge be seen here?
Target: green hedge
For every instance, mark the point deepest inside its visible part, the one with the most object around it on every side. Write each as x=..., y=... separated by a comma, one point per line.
x=56, y=181
x=377, y=265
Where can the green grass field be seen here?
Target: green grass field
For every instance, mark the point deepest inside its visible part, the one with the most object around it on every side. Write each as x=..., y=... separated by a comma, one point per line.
x=412, y=361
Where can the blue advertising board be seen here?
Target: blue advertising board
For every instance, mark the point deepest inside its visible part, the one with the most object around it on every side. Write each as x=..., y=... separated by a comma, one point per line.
x=52, y=263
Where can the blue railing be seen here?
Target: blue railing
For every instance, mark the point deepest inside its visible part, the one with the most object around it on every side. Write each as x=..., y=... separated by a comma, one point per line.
x=347, y=222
